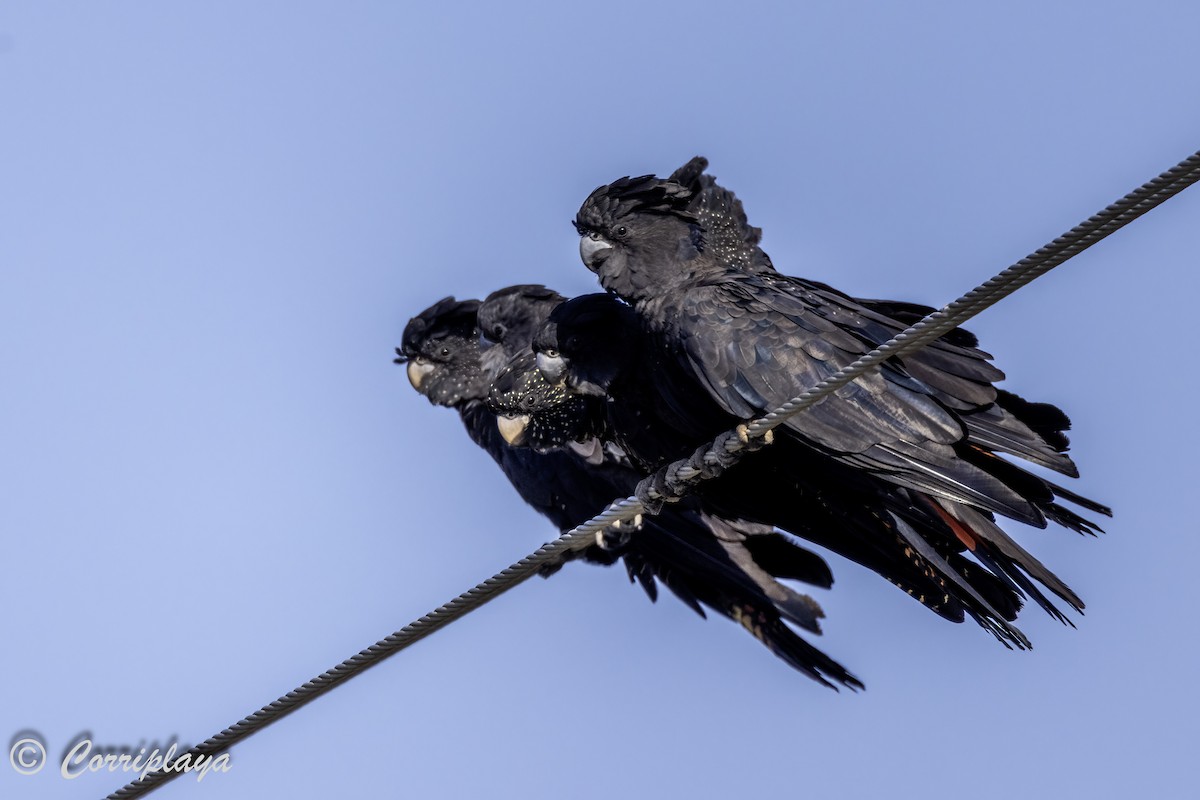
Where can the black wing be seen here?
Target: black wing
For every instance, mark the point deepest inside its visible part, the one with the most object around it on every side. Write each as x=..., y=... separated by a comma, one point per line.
x=754, y=348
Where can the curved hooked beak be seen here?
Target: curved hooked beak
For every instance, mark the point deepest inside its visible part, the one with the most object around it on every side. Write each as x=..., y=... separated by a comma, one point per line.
x=513, y=428
x=551, y=367
x=593, y=249
x=417, y=370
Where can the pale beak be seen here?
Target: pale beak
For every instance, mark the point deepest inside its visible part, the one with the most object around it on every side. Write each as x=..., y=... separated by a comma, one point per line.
x=513, y=428
x=551, y=367
x=593, y=249
x=417, y=370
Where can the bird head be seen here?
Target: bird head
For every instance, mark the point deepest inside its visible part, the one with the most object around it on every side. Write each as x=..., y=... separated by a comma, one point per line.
x=531, y=411
x=586, y=343
x=509, y=317
x=440, y=347
x=635, y=233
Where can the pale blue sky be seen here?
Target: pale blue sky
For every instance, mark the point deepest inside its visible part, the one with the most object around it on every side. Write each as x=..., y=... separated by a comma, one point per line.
x=215, y=219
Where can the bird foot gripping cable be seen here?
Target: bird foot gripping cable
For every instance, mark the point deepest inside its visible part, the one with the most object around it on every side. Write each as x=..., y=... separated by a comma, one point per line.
x=674, y=481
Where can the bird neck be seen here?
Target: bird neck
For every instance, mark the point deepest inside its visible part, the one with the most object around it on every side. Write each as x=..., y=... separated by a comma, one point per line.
x=653, y=278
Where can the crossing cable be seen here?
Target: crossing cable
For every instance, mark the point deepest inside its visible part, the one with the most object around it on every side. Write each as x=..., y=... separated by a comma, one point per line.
x=671, y=482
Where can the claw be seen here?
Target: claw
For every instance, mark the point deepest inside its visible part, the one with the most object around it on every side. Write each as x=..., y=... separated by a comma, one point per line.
x=615, y=535
x=743, y=434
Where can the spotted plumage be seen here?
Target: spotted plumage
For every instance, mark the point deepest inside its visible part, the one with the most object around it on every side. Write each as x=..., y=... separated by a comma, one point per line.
x=706, y=561
x=551, y=417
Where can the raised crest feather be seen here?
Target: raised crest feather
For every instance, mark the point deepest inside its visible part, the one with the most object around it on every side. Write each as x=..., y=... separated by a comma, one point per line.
x=643, y=194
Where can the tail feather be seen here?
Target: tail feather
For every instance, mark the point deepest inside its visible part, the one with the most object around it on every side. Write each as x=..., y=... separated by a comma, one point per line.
x=1015, y=557
x=1069, y=519
x=720, y=560
x=988, y=617
x=1000, y=593
x=784, y=559
x=996, y=429
x=1021, y=581
x=1039, y=491
x=792, y=649
x=707, y=565
x=642, y=574
x=1079, y=500
x=684, y=593
x=1047, y=421
x=792, y=605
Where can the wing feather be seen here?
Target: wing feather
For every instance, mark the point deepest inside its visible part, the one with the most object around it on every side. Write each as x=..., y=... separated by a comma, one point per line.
x=771, y=346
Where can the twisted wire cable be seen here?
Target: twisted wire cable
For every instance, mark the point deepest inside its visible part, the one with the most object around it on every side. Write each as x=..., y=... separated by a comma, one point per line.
x=673, y=481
